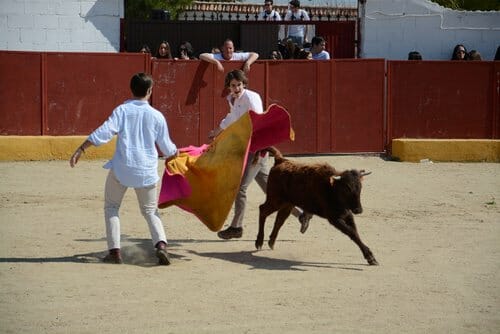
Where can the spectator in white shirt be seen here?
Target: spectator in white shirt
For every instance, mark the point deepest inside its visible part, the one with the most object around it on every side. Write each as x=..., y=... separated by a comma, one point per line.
x=296, y=32
x=227, y=53
x=318, y=51
x=269, y=14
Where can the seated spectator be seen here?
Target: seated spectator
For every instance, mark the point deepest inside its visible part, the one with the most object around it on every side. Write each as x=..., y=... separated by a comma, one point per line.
x=186, y=51
x=459, y=53
x=145, y=49
x=269, y=14
x=318, y=51
x=475, y=55
x=227, y=53
x=288, y=48
x=164, y=51
x=275, y=55
x=414, y=55
x=303, y=54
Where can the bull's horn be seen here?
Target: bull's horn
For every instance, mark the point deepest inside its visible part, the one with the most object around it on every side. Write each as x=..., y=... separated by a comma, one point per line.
x=336, y=177
x=363, y=173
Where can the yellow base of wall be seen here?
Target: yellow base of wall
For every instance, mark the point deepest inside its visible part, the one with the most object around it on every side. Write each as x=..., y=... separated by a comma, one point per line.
x=19, y=148
x=14, y=148
x=458, y=150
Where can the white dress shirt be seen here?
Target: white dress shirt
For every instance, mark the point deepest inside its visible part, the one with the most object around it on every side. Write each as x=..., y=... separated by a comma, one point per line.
x=249, y=100
x=138, y=127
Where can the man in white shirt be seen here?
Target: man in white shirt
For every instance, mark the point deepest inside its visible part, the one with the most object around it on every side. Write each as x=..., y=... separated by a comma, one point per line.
x=296, y=32
x=227, y=53
x=269, y=14
x=139, y=129
x=241, y=100
x=318, y=46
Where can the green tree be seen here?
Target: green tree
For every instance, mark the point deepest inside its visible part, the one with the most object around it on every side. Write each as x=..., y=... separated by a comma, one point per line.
x=470, y=4
x=141, y=9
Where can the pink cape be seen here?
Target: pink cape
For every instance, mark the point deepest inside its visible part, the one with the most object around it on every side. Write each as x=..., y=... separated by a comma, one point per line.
x=205, y=180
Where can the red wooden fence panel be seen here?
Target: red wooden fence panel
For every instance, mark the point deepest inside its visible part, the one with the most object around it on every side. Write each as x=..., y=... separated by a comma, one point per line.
x=20, y=93
x=340, y=38
x=84, y=88
x=292, y=84
x=442, y=99
x=358, y=105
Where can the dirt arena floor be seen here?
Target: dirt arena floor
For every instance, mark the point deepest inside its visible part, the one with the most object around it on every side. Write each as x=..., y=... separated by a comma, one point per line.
x=434, y=228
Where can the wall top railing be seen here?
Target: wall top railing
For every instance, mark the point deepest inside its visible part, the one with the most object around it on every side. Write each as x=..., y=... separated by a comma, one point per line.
x=230, y=11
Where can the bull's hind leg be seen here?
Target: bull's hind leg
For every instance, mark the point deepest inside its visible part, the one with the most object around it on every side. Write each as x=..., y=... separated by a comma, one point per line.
x=348, y=227
x=282, y=215
x=264, y=210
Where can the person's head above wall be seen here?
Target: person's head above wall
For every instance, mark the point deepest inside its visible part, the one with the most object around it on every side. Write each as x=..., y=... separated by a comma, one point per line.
x=414, y=55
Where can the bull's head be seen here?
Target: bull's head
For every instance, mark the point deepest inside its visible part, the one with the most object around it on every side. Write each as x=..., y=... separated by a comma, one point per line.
x=349, y=188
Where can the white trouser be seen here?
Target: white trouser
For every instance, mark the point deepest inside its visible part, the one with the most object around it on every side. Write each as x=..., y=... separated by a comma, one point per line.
x=260, y=172
x=148, y=203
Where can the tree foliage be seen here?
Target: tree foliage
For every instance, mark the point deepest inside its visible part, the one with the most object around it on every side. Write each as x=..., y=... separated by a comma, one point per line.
x=141, y=9
x=470, y=4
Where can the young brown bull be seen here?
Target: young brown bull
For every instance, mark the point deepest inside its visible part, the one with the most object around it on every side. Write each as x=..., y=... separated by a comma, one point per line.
x=316, y=188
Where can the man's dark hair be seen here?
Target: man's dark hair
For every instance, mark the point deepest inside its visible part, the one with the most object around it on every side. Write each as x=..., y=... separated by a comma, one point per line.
x=316, y=40
x=140, y=83
x=238, y=75
x=269, y=1
x=414, y=55
x=295, y=3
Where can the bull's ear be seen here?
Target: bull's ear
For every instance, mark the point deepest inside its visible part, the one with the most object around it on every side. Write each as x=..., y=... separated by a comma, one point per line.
x=334, y=178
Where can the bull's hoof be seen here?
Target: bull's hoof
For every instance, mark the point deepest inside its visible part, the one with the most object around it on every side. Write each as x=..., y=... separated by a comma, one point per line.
x=271, y=244
x=258, y=244
x=372, y=262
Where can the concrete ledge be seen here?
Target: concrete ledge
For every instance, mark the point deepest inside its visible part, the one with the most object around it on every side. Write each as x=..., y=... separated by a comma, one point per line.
x=457, y=150
x=16, y=148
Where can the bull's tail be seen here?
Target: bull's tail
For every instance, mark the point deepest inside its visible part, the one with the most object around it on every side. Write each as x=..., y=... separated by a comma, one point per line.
x=278, y=157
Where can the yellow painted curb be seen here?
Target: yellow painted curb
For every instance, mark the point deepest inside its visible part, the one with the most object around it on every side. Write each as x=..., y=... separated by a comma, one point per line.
x=16, y=148
x=457, y=150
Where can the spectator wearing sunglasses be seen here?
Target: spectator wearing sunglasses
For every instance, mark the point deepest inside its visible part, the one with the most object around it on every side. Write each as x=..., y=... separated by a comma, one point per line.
x=269, y=14
x=460, y=53
x=186, y=51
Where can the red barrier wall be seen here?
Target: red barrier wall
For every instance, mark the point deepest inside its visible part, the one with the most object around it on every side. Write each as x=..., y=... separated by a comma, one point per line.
x=20, y=93
x=62, y=93
x=336, y=106
x=437, y=99
x=326, y=117
x=83, y=89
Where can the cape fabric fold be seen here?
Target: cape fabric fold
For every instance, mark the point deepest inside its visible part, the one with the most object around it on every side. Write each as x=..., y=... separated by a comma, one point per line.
x=205, y=180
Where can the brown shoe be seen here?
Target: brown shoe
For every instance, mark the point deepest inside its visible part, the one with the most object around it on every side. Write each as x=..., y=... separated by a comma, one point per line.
x=162, y=255
x=113, y=258
x=231, y=232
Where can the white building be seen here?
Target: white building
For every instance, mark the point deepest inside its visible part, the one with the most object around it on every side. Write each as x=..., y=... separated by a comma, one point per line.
x=392, y=28
x=61, y=25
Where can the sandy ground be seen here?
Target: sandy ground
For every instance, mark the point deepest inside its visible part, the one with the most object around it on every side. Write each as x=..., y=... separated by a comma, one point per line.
x=434, y=228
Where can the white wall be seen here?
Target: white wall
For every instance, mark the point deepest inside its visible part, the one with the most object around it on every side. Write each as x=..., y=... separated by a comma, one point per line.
x=392, y=28
x=60, y=25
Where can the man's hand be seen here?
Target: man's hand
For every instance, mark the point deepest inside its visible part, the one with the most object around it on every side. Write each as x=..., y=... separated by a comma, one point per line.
x=76, y=156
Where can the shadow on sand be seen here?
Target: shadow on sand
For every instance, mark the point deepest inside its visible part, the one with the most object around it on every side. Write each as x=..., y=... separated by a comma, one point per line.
x=256, y=260
x=140, y=252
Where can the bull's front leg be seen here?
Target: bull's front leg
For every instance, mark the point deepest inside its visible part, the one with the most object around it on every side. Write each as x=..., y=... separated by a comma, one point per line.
x=348, y=227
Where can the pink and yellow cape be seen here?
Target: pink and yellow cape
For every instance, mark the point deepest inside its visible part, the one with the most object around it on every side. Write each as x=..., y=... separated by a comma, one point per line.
x=204, y=180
